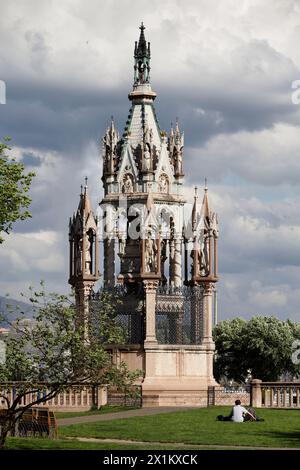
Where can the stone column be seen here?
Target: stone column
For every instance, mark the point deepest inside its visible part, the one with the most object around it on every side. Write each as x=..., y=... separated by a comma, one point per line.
x=177, y=264
x=256, y=393
x=215, y=306
x=83, y=292
x=109, y=262
x=171, y=262
x=163, y=259
x=101, y=395
x=150, y=287
x=207, y=311
x=215, y=257
x=196, y=315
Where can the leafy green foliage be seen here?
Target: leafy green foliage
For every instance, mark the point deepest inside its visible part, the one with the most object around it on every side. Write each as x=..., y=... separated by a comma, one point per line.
x=262, y=345
x=53, y=349
x=14, y=186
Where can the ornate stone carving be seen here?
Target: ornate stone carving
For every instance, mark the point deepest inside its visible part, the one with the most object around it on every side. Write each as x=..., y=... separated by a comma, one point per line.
x=150, y=255
x=88, y=258
x=203, y=257
x=110, y=142
x=127, y=186
x=208, y=288
x=150, y=286
x=147, y=158
x=163, y=184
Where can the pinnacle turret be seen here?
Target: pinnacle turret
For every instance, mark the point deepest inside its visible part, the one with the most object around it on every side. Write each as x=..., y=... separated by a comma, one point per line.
x=142, y=59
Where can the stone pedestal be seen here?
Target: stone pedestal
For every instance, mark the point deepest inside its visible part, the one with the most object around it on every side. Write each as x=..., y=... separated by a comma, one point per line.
x=83, y=292
x=256, y=397
x=177, y=375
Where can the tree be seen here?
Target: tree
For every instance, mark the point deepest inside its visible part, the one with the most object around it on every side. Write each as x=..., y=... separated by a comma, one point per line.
x=51, y=349
x=14, y=186
x=229, y=342
x=262, y=345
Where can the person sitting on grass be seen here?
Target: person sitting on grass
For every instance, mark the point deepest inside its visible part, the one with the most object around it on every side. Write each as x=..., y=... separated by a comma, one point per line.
x=239, y=414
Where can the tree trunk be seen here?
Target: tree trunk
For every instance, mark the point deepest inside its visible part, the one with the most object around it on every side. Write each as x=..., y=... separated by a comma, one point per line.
x=3, y=436
x=8, y=425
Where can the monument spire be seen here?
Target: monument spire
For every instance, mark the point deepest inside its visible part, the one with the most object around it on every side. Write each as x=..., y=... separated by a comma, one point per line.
x=142, y=59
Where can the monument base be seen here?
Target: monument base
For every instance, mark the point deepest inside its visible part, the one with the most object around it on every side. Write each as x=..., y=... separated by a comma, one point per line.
x=178, y=375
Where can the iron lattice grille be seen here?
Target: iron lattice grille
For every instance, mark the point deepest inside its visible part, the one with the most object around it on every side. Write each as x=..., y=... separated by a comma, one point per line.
x=179, y=315
x=127, y=311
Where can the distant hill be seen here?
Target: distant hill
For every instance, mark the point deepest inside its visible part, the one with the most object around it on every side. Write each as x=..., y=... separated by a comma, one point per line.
x=16, y=308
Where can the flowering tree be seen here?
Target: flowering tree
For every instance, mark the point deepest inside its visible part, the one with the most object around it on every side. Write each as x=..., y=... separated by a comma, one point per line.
x=50, y=349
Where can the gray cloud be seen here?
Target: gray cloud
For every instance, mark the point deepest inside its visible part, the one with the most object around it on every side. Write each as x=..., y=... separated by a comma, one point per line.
x=227, y=76
x=30, y=159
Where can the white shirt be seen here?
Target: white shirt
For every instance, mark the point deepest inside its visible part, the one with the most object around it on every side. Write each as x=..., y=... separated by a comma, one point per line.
x=238, y=411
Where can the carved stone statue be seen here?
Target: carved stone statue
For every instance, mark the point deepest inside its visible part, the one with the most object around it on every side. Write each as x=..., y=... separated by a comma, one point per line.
x=88, y=259
x=163, y=184
x=150, y=255
x=141, y=68
x=127, y=184
x=179, y=160
x=147, y=159
x=203, y=258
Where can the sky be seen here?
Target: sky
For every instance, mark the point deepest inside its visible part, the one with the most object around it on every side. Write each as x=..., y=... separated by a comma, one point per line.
x=224, y=68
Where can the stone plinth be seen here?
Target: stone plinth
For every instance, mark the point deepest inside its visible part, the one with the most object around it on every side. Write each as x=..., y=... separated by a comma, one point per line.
x=178, y=375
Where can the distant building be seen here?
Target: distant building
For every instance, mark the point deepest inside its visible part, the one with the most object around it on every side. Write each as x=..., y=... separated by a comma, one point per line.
x=4, y=331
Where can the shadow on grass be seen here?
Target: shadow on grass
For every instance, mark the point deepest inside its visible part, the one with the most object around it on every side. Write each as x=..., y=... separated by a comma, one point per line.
x=290, y=436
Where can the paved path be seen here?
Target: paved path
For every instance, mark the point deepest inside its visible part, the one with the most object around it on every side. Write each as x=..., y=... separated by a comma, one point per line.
x=176, y=444
x=121, y=415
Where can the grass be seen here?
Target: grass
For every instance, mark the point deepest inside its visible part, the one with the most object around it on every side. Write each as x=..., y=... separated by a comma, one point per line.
x=103, y=410
x=14, y=443
x=281, y=428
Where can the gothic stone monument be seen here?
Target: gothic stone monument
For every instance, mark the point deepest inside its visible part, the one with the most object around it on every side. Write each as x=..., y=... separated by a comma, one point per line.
x=163, y=267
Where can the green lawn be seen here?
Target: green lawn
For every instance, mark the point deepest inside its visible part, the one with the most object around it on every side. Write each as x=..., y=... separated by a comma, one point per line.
x=14, y=443
x=281, y=428
x=103, y=410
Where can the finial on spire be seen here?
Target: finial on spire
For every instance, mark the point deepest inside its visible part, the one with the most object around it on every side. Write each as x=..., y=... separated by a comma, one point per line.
x=86, y=182
x=196, y=191
x=142, y=59
x=177, y=132
x=205, y=185
x=81, y=190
